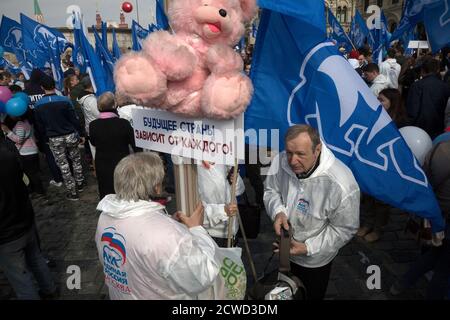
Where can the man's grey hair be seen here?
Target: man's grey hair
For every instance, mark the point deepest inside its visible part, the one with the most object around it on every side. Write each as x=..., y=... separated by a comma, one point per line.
x=137, y=176
x=294, y=131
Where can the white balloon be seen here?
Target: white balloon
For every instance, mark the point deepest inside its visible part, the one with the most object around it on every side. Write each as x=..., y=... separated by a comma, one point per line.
x=418, y=141
x=70, y=10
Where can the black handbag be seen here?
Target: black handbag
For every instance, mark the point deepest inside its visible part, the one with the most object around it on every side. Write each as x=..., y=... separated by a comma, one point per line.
x=251, y=218
x=280, y=284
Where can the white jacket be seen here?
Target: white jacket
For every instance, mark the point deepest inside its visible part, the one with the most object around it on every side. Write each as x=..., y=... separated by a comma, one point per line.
x=215, y=192
x=379, y=83
x=146, y=254
x=125, y=112
x=88, y=104
x=391, y=70
x=323, y=209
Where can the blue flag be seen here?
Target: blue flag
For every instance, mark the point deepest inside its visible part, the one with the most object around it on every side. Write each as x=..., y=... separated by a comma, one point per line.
x=138, y=35
x=437, y=24
x=43, y=36
x=152, y=27
x=85, y=57
x=254, y=30
x=11, y=39
x=161, y=18
x=299, y=80
x=115, y=47
x=106, y=61
x=338, y=33
x=6, y=64
x=385, y=34
x=406, y=38
x=359, y=30
x=104, y=35
x=78, y=54
x=411, y=15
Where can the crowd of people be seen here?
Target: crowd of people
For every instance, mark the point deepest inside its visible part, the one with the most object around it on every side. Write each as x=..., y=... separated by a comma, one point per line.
x=158, y=255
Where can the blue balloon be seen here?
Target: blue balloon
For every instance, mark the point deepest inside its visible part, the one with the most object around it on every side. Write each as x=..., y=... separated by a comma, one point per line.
x=2, y=107
x=23, y=96
x=16, y=107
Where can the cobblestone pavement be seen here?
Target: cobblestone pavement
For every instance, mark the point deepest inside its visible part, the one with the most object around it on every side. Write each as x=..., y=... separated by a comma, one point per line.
x=67, y=232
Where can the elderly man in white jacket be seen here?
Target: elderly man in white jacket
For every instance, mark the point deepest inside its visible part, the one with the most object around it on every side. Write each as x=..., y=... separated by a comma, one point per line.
x=318, y=195
x=145, y=253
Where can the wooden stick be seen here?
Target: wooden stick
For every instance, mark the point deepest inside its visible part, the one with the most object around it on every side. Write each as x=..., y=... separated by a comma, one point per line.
x=233, y=201
x=247, y=248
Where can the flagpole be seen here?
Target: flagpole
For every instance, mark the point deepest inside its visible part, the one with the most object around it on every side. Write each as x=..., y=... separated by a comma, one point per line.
x=351, y=42
x=137, y=10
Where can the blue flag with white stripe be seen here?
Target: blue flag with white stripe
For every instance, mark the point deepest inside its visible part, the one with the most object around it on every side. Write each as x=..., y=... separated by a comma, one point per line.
x=299, y=77
x=138, y=35
x=338, y=33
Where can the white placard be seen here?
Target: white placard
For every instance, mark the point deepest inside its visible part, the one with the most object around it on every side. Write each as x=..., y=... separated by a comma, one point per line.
x=219, y=141
x=414, y=44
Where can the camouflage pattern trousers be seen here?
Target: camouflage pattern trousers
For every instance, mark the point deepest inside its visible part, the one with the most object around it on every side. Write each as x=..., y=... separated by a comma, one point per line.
x=62, y=147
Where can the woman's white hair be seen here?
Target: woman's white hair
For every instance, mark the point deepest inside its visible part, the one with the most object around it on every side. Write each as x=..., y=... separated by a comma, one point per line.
x=138, y=176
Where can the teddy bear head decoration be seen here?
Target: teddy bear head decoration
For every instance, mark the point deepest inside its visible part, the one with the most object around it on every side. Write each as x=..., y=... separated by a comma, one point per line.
x=193, y=72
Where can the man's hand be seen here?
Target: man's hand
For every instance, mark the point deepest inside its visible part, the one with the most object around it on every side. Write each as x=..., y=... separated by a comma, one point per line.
x=196, y=218
x=82, y=140
x=296, y=248
x=231, y=209
x=281, y=220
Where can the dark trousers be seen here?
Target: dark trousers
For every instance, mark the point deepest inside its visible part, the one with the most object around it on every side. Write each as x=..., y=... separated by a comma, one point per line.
x=22, y=262
x=436, y=259
x=30, y=164
x=253, y=173
x=314, y=279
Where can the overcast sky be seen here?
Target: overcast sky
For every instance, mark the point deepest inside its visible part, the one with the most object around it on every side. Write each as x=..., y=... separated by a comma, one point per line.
x=55, y=15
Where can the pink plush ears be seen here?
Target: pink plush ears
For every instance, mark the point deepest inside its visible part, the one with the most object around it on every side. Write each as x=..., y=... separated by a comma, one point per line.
x=248, y=9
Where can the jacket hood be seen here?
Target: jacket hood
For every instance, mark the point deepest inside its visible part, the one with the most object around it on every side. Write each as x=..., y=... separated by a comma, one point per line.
x=83, y=95
x=326, y=161
x=121, y=209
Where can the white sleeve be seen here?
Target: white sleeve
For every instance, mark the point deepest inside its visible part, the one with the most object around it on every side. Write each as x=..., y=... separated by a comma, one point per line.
x=192, y=267
x=214, y=213
x=240, y=187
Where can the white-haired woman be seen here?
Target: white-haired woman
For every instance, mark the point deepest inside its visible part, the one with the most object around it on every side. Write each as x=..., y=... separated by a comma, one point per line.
x=145, y=253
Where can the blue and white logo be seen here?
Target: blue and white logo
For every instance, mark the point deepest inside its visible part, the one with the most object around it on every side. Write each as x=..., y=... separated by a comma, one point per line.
x=14, y=38
x=354, y=134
